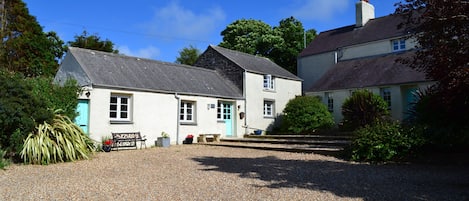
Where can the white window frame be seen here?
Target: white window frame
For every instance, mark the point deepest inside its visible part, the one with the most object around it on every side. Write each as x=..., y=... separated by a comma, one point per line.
x=188, y=112
x=269, y=108
x=123, y=105
x=398, y=45
x=269, y=83
x=223, y=113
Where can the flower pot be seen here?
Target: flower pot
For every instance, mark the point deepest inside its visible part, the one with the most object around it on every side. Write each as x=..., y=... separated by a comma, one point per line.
x=107, y=148
x=163, y=141
x=188, y=141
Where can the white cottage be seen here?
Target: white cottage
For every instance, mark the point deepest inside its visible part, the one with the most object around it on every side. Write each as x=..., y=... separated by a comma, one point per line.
x=362, y=56
x=129, y=94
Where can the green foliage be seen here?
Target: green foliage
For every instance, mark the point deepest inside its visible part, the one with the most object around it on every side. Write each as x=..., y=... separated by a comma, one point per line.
x=441, y=29
x=57, y=142
x=306, y=114
x=3, y=161
x=363, y=108
x=55, y=96
x=281, y=44
x=385, y=141
x=93, y=42
x=25, y=48
x=19, y=111
x=188, y=55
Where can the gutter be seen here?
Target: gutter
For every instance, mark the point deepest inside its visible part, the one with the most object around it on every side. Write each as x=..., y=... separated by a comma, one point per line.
x=178, y=114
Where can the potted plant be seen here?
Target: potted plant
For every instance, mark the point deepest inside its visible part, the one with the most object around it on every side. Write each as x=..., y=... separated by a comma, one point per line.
x=189, y=139
x=107, y=143
x=164, y=140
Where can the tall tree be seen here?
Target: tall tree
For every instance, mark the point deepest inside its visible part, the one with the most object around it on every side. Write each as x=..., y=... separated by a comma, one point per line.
x=281, y=44
x=188, y=55
x=93, y=42
x=442, y=33
x=25, y=48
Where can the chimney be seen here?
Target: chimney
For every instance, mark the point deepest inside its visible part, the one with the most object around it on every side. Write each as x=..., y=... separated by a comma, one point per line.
x=365, y=11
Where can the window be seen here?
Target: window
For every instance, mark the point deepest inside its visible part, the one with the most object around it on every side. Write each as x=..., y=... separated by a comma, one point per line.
x=269, y=108
x=268, y=82
x=119, y=109
x=187, y=113
x=386, y=95
x=330, y=101
x=398, y=45
x=223, y=111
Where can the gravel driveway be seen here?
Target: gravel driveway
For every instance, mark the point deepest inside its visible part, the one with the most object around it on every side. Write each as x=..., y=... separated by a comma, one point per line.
x=200, y=172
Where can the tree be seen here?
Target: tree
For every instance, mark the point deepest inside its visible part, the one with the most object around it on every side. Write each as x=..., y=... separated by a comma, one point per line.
x=25, y=47
x=281, y=44
x=93, y=42
x=188, y=55
x=305, y=114
x=442, y=33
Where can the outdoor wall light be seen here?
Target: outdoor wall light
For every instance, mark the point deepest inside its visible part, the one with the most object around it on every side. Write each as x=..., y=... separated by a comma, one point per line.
x=87, y=94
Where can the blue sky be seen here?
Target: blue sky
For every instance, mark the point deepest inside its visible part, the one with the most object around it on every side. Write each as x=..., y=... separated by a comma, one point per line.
x=159, y=29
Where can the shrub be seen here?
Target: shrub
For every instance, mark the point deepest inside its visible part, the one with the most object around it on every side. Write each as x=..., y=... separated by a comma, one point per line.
x=306, y=114
x=57, y=142
x=385, y=141
x=363, y=108
x=3, y=161
x=19, y=111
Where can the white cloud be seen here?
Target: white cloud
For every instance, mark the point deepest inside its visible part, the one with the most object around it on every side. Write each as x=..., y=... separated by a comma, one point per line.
x=322, y=10
x=176, y=22
x=149, y=52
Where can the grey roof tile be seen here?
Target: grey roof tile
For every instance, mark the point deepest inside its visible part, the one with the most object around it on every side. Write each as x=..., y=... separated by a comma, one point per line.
x=255, y=64
x=114, y=70
x=378, y=70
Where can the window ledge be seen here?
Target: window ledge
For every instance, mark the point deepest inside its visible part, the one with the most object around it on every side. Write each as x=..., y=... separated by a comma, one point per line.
x=269, y=117
x=188, y=123
x=269, y=90
x=121, y=122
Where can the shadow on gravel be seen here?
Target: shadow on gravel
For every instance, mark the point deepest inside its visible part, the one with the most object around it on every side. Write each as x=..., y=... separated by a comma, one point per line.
x=370, y=182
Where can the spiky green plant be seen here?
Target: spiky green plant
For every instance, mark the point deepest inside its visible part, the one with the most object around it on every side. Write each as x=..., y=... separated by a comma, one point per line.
x=59, y=141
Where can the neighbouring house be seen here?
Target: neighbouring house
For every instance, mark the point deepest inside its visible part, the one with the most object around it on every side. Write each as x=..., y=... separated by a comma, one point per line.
x=266, y=87
x=362, y=56
x=128, y=94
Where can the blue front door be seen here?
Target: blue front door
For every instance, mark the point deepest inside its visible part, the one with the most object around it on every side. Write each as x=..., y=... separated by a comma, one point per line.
x=82, y=120
x=228, y=118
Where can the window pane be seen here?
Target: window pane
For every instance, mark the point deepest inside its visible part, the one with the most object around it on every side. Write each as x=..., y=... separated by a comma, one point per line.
x=123, y=115
x=123, y=107
x=123, y=100
x=113, y=99
x=113, y=107
x=113, y=114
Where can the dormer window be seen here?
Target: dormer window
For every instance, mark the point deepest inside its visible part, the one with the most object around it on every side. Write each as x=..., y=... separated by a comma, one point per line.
x=268, y=82
x=398, y=45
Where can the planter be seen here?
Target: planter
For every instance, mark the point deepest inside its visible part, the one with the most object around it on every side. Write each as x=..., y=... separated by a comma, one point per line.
x=188, y=141
x=107, y=148
x=163, y=141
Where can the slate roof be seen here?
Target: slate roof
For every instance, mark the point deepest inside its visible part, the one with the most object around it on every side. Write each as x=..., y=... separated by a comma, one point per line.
x=376, y=29
x=378, y=70
x=119, y=71
x=255, y=64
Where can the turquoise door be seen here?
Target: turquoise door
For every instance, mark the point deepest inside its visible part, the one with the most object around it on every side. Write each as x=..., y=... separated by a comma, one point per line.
x=82, y=120
x=410, y=100
x=228, y=118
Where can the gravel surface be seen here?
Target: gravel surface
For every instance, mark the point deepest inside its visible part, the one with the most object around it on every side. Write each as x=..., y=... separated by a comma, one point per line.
x=201, y=172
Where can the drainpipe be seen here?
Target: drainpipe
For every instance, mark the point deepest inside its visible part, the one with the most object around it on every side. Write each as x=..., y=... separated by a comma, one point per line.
x=246, y=129
x=335, y=56
x=178, y=114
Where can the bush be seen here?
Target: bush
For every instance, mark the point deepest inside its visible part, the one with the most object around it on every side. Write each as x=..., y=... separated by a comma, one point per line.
x=363, y=108
x=57, y=142
x=385, y=141
x=19, y=111
x=306, y=114
x=3, y=161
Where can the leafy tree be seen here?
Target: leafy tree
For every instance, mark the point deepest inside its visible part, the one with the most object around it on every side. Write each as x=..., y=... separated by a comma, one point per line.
x=93, y=42
x=363, y=108
x=281, y=44
x=441, y=30
x=188, y=55
x=306, y=114
x=25, y=48
x=295, y=39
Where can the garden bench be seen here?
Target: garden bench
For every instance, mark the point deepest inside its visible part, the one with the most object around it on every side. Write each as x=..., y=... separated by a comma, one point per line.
x=127, y=139
x=203, y=137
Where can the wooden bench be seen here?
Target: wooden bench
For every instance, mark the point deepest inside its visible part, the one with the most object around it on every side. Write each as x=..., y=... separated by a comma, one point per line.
x=203, y=137
x=127, y=139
